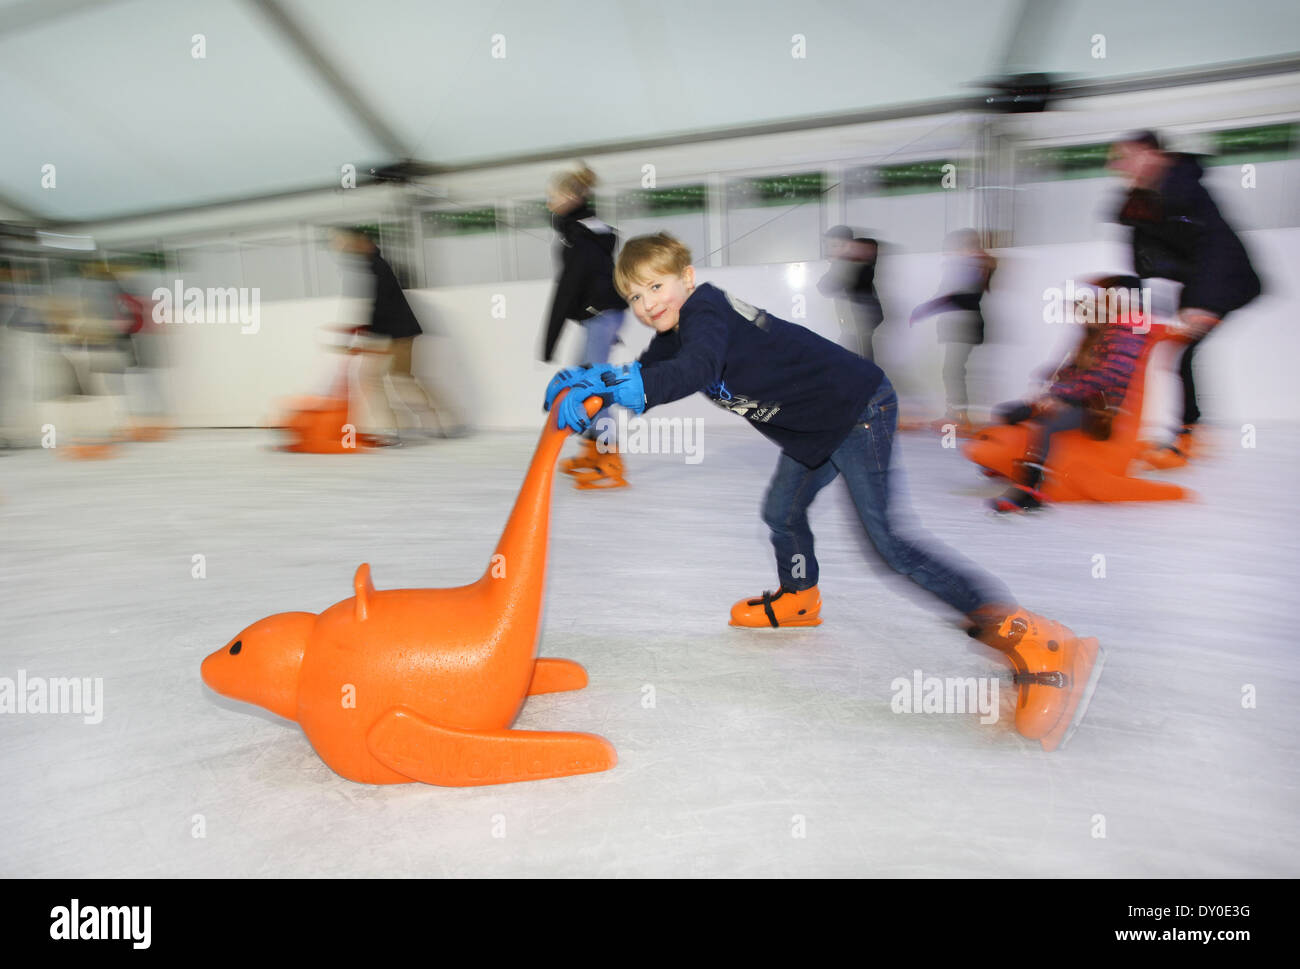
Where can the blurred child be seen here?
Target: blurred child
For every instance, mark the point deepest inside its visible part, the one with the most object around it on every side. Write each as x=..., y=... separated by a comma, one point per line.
x=830, y=412
x=1088, y=385
x=394, y=328
x=851, y=283
x=585, y=292
x=967, y=273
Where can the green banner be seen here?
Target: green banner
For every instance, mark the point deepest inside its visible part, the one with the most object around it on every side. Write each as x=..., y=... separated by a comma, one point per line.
x=453, y=222
x=1064, y=161
x=530, y=215
x=678, y=200
x=913, y=177
x=1263, y=143
x=776, y=189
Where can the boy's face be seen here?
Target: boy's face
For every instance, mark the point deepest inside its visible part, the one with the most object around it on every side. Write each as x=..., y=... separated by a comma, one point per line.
x=657, y=299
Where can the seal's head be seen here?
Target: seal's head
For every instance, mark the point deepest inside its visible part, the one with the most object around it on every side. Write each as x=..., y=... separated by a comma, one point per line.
x=261, y=664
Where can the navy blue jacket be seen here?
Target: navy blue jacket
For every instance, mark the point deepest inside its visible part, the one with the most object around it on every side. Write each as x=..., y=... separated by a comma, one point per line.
x=800, y=390
x=1179, y=234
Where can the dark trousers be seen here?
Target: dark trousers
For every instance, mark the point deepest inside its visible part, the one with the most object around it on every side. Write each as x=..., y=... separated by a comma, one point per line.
x=864, y=460
x=858, y=322
x=1068, y=418
x=1191, y=412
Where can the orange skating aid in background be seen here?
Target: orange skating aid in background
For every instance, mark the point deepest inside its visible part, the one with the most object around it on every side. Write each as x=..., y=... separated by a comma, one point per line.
x=89, y=452
x=316, y=425
x=407, y=685
x=1079, y=468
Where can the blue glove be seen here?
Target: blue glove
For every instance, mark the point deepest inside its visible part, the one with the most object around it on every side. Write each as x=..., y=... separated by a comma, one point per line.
x=565, y=378
x=613, y=385
x=623, y=385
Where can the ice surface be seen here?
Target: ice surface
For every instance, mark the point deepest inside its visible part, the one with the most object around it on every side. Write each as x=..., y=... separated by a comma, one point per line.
x=764, y=753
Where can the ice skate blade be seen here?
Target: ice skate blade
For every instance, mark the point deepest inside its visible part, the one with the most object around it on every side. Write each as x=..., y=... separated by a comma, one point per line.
x=1006, y=516
x=596, y=479
x=1162, y=459
x=785, y=625
x=599, y=484
x=1059, y=736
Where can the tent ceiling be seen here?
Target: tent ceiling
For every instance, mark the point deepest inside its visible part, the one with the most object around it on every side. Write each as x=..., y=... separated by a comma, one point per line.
x=291, y=90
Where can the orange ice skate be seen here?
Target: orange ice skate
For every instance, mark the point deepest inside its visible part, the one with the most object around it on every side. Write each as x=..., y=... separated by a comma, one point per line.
x=595, y=469
x=1175, y=454
x=773, y=610
x=1056, y=673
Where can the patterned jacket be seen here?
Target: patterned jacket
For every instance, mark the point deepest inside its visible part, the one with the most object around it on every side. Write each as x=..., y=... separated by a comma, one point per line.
x=1100, y=371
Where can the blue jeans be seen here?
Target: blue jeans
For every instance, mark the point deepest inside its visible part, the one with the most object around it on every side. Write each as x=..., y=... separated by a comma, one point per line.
x=863, y=459
x=1069, y=418
x=602, y=330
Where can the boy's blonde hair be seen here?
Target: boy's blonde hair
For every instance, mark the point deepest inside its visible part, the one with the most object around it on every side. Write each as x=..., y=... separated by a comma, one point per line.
x=577, y=181
x=650, y=255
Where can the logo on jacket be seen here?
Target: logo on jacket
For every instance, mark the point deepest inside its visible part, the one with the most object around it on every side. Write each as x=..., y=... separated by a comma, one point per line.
x=746, y=407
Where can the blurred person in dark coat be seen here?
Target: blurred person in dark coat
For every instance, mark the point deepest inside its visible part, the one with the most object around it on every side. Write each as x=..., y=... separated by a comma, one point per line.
x=851, y=283
x=1179, y=234
x=393, y=328
x=967, y=273
x=585, y=292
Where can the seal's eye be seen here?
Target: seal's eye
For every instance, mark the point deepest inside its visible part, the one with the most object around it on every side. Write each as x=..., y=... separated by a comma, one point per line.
x=234, y=650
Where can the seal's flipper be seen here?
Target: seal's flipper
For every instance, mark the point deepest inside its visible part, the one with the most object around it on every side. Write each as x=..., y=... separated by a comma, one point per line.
x=417, y=748
x=556, y=676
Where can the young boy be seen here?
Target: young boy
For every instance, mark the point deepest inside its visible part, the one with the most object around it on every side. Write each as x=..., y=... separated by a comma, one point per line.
x=831, y=412
x=1096, y=377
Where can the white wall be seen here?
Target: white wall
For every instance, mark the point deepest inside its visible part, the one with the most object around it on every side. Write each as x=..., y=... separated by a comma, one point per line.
x=773, y=233
x=914, y=222
x=222, y=377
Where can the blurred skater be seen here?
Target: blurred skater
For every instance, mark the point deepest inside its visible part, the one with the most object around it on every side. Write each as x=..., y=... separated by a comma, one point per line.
x=851, y=283
x=831, y=413
x=86, y=317
x=967, y=273
x=1084, y=390
x=1180, y=235
x=141, y=345
x=585, y=292
x=394, y=328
